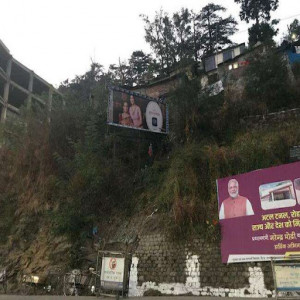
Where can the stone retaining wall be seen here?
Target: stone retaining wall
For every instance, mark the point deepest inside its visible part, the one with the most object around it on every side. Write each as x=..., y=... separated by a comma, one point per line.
x=160, y=266
x=271, y=118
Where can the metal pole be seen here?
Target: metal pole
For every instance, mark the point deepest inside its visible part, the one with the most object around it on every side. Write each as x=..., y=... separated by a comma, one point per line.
x=274, y=277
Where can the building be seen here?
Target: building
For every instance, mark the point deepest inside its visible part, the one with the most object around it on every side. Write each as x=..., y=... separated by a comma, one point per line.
x=20, y=86
x=212, y=68
x=230, y=54
x=281, y=195
x=220, y=72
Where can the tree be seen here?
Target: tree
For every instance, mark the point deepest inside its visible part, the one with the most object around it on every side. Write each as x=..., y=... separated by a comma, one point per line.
x=121, y=74
x=82, y=86
x=293, y=31
x=257, y=10
x=262, y=32
x=187, y=35
x=182, y=27
x=216, y=30
x=160, y=35
x=142, y=66
x=267, y=81
x=260, y=12
x=196, y=34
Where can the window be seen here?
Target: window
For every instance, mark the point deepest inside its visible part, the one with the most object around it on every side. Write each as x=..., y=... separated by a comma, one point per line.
x=227, y=55
x=210, y=63
x=282, y=195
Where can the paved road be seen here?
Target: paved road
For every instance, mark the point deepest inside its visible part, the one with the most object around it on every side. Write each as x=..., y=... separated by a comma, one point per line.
x=21, y=297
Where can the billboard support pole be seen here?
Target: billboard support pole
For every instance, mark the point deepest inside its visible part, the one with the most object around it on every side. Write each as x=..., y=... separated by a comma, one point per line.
x=139, y=152
x=274, y=277
x=114, y=149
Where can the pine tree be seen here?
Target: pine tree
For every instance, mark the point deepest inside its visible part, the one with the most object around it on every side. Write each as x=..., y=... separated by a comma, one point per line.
x=257, y=10
x=216, y=30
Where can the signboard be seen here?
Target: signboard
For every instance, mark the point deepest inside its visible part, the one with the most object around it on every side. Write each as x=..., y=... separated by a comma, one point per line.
x=135, y=111
x=112, y=273
x=287, y=277
x=259, y=214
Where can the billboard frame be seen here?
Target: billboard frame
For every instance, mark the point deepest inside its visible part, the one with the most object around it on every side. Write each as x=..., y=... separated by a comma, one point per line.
x=250, y=230
x=112, y=88
x=98, y=281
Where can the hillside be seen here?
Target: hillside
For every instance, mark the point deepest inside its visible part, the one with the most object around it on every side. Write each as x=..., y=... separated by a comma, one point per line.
x=61, y=179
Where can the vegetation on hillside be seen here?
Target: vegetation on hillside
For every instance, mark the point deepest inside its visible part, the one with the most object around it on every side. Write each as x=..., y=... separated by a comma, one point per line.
x=73, y=171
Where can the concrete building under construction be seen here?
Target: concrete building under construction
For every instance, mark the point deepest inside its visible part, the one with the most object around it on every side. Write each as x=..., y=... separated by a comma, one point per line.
x=20, y=86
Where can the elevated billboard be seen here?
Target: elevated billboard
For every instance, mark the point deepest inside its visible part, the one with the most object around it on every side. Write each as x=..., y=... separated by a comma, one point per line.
x=259, y=214
x=135, y=111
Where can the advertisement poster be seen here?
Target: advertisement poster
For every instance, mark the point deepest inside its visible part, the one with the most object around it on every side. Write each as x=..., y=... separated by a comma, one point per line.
x=112, y=273
x=259, y=214
x=132, y=110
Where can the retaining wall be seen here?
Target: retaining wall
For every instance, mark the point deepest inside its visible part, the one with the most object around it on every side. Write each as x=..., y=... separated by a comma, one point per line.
x=160, y=266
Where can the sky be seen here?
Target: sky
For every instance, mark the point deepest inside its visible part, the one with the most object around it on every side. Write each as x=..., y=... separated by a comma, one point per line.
x=59, y=39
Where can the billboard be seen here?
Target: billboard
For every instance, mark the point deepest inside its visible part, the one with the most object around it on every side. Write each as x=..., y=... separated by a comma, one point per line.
x=135, y=111
x=259, y=214
x=112, y=273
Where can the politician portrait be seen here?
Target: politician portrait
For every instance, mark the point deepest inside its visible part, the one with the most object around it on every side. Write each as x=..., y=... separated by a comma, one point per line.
x=235, y=205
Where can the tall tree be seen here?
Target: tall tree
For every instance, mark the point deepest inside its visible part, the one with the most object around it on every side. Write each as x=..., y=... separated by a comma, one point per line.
x=142, y=66
x=196, y=35
x=260, y=12
x=216, y=30
x=83, y=86
x=182, y=27
x=121, y=74
x=262, y=32
x=257, y=10
x=160, y=35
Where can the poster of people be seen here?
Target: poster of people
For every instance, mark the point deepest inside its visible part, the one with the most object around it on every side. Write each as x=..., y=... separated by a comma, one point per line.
x=132, y=110
x=259, y=214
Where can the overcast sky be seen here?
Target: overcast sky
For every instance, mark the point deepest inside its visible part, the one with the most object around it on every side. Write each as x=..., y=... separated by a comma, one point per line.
x=58, y=39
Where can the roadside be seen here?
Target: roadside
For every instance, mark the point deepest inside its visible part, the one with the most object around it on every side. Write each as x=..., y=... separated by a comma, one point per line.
x=21, y=297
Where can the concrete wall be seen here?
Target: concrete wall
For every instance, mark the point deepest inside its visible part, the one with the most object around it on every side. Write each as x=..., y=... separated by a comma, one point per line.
x=159, y=89
x=160, y=266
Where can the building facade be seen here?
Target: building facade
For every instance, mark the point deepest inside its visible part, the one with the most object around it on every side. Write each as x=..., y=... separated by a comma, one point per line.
x=20, y=86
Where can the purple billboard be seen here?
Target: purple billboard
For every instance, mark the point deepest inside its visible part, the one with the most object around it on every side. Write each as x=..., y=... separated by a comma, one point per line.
x=259, y=214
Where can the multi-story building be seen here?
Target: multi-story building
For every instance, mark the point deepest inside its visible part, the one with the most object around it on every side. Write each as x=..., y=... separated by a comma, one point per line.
x=20, y=86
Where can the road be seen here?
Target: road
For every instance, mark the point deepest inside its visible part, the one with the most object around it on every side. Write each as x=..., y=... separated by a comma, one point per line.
x=21, y=297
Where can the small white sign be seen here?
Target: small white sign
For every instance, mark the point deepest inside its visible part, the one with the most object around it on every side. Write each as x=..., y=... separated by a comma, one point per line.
x=287, y=277
x=112, y=273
